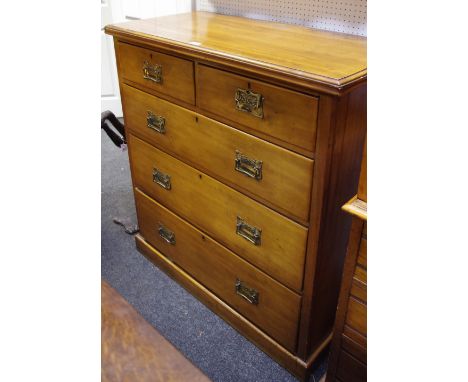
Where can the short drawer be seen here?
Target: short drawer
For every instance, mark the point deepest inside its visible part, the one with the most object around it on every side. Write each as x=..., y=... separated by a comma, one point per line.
x=283, y=178
x=350, y=369
x=353, y=348
x=166, y=74
x=286, y=115
x=264, y=301
x=260, y=235
x=356, y=316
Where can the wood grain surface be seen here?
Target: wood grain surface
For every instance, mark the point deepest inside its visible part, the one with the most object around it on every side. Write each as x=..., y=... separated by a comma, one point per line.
x=362, y=188
x=314, y=84
x=211, y=146
x=287, y=115
x=216, y=267
x=336, y=175
x=348, y=356
x=332, y=58
x=177, y=74
x=350, y=369
x=132, y=350
x=213, y=207
x=290, y=361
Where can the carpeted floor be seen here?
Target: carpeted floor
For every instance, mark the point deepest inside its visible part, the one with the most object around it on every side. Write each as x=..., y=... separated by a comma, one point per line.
x=210, y=343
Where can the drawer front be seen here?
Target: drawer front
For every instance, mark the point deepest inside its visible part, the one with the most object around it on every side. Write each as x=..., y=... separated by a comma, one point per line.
x=284, y=114
x=356, y=316
x=354, y=348
x=362, y=257
x=166, y=74
x=265, y=238
x=350, y=369
x=283, y=178
x=264, y=301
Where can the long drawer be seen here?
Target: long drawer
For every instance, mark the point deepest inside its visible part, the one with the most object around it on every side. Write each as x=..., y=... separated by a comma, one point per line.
x=260, y=235
x=161, y=72
x=281, y=113
x=264, y=301
x=283, y=178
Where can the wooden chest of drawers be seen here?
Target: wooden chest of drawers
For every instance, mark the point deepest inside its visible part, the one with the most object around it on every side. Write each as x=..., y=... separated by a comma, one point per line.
x=348, y=357
x=245, y=138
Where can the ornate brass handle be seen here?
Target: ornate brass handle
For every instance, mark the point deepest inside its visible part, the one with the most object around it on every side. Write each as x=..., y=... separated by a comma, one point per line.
x=247, y=166
x=162, y=179
x=250, y=102
x=166, y=234
x=248, y=232
x=152, y=72
x=156, y=122
x=250, y=294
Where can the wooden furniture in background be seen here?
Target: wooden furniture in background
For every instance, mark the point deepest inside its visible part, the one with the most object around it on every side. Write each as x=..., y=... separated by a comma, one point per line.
x=245, y=138
x=132, y=350
x=348, y=356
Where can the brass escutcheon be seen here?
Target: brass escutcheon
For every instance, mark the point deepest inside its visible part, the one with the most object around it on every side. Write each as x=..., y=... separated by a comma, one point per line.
x=152, y=72
x=249, y=102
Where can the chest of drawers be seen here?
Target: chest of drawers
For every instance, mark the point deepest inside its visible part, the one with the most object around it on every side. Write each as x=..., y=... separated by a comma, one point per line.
x=245, y=138
x=348, y=356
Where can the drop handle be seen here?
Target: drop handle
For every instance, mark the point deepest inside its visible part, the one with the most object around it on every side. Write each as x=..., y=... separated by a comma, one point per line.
x=161, y=179
x=156, y=122
x=248, y=232
x=248, y=166
x=250, y=294
x=167, y=235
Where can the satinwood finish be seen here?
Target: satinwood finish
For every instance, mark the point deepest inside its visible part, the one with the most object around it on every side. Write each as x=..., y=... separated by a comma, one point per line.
x=211, y=146
x=177, y=74
x=310, y=141
x=362, y=188
x=350, y=369
x=277, y=310
x=348, y=358
x=283, y=356
x=287, y=115
x=214, y=207
x=333, y=59
x=132, y=350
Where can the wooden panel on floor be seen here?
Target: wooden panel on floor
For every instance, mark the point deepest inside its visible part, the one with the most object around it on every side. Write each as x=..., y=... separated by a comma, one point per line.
x=132, y=350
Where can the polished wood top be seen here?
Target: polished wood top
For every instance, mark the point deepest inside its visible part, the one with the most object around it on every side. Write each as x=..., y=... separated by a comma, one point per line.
x=356, y=207
x=334, y=59
x=132, y=350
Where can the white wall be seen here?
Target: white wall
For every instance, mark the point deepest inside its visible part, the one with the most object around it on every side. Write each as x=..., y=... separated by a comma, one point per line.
x=142, y=9
x=116, y=11
x=347, y=16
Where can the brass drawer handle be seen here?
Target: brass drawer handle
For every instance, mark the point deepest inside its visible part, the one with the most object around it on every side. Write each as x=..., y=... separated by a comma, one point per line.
x=156, y=122
x=247, y=166
x=248, y=232
x=162, y=179
x=250, y=294
x=166, y=234
x=152, y=72
x=250, y=102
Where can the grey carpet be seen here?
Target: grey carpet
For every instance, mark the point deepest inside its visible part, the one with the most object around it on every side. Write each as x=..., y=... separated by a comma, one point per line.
x=210, y=343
